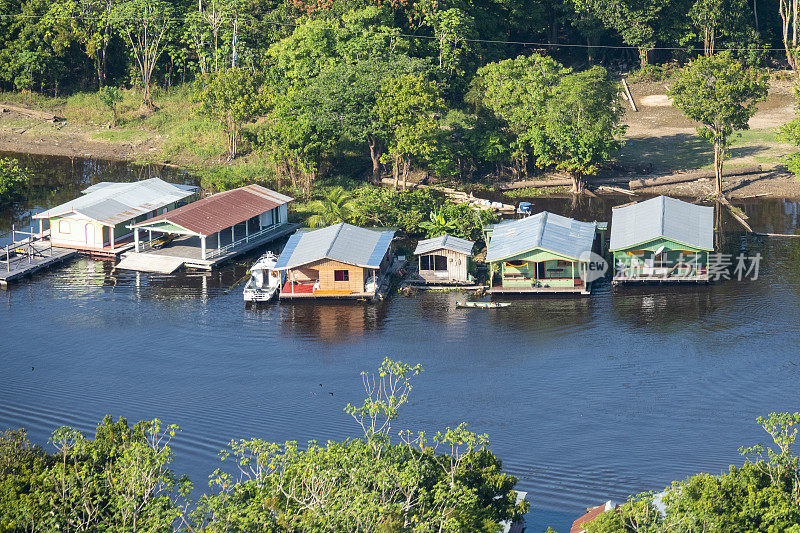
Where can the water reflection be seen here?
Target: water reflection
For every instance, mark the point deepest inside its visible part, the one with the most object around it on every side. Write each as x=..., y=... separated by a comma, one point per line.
x=330, y=321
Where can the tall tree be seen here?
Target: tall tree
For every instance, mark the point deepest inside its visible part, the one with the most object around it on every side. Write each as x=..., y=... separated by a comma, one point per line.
x=145, y=25
x=91, y=22
x=721, y=93
x=634, y=20
x=409, y=106
x=581, y=125
x=233, y=97
x=517, y=91
x=789, y=11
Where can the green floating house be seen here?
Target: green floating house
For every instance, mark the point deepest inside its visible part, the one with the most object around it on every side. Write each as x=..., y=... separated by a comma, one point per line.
x=542, y=253
x=661, y=239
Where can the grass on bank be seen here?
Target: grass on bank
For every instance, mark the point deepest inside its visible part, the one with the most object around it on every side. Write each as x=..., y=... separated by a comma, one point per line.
x=183, y=132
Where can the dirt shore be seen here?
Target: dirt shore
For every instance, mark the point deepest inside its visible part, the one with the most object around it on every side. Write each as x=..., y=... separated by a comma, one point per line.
x=659, y=141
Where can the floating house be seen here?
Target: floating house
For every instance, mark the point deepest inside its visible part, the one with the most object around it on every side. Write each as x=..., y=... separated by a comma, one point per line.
x=99, y=220
x=209, y=231
x=444, y=260
x=340, y=261
x=661, y=239
x=580, y=524
x=540, y=253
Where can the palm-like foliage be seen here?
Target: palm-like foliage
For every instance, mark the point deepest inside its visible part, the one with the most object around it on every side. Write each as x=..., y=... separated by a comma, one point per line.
x=439, y=224
x=336, y=206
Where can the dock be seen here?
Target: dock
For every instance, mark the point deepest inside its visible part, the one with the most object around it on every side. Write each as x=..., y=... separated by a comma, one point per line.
x=187, y=252
x=580, y=290
x=28, y=256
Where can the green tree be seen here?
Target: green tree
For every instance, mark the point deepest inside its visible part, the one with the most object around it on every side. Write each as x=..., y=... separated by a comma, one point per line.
x=517, y=91
x=634, y=20
x=146, y=26
x=581, y=125
x=334, y=207
x=791, y=132
x=111, y=97
x=233, y=97
x=452, y=482
x=13, y=179
x=721, y=93
x=91, y=23
x=409, y=107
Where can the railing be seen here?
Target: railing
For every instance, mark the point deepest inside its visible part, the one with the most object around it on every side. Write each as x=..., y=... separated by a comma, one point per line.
x=228, y=247
x=26, y=244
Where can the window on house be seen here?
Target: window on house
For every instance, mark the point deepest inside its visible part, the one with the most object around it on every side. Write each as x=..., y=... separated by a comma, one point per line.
x=433, y=262
x=64, y=227
x=341, y=275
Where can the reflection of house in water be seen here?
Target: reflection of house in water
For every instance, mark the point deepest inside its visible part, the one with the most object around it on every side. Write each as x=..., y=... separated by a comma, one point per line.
x=663, y=240
x=332, y=321
x=666, y=307
x=98, y=221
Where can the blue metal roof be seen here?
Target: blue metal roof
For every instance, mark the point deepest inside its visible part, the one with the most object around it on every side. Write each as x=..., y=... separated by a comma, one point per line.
x=548, y=231
x=341, y=242
x=662, y=217
x=444, y=242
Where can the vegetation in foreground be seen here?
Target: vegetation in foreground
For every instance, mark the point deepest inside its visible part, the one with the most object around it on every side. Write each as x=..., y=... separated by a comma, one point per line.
x=761, y=495
x=121, y=480
x=13, y=179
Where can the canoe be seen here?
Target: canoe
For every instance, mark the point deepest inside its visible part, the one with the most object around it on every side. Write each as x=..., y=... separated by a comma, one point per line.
x=482, y=305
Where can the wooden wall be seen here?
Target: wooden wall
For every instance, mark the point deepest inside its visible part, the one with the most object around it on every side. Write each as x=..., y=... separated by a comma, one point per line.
x=324, y=271
x=456, y=271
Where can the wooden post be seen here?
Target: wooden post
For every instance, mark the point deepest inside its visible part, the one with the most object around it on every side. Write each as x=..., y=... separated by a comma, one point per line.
x=233, y=234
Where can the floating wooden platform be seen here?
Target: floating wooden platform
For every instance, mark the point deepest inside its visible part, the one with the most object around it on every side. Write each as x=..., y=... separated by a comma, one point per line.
x=541, y=290
x=186, y=252
x=22, y=265
x=654, y=279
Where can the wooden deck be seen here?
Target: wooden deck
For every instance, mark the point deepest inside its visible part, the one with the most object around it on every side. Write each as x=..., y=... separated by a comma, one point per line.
x=24, y=264
x=581, y=290
x=186, y=251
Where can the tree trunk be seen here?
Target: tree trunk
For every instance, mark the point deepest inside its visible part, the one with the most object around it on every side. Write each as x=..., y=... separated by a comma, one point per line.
x=375, y=155
x=578, y=184
x=719, y=154
x=643, y=53
x=405, y=172
x=396, y=171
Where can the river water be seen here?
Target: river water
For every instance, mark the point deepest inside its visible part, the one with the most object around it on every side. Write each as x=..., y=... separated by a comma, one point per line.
x=584, y=399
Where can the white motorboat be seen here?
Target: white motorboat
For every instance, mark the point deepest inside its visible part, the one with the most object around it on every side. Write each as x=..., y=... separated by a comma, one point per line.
x=265, y=282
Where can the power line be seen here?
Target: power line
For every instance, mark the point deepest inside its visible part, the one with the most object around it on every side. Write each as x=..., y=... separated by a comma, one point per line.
x=397, y=35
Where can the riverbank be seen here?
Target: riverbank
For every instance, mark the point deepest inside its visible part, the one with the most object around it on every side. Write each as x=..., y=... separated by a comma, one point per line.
x=659, y=140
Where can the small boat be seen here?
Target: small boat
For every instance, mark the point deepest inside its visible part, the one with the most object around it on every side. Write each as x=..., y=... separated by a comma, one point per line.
x=483, y=305
x=264, y=282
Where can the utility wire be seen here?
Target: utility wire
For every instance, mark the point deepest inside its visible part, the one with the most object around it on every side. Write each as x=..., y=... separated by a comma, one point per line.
x=397, y=35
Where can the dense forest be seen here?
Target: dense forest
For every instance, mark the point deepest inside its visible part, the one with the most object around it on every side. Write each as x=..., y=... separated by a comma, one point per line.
x=450, y=89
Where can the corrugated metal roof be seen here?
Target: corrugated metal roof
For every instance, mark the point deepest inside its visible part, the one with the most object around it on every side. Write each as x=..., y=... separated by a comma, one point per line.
x=340, y=242
x=557, y=234
x=222, y=210
x=678, y=221
x=444, y=242
x=112, y=203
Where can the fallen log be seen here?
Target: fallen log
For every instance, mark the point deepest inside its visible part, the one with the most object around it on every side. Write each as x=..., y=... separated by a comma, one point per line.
x=690, y=176
x=42, y=115
x=535, y=184
x=629, y=95
x=618, y=190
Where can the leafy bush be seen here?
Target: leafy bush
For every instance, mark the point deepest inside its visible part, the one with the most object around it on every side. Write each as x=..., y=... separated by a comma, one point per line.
x=13, y=179
x=652, y=73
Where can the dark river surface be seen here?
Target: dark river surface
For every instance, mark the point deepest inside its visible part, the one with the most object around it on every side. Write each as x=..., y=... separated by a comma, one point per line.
x=584, y=399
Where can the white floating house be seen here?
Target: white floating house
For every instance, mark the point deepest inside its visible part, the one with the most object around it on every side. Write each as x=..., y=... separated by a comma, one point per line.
x=98, y=221
x=444, y=259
